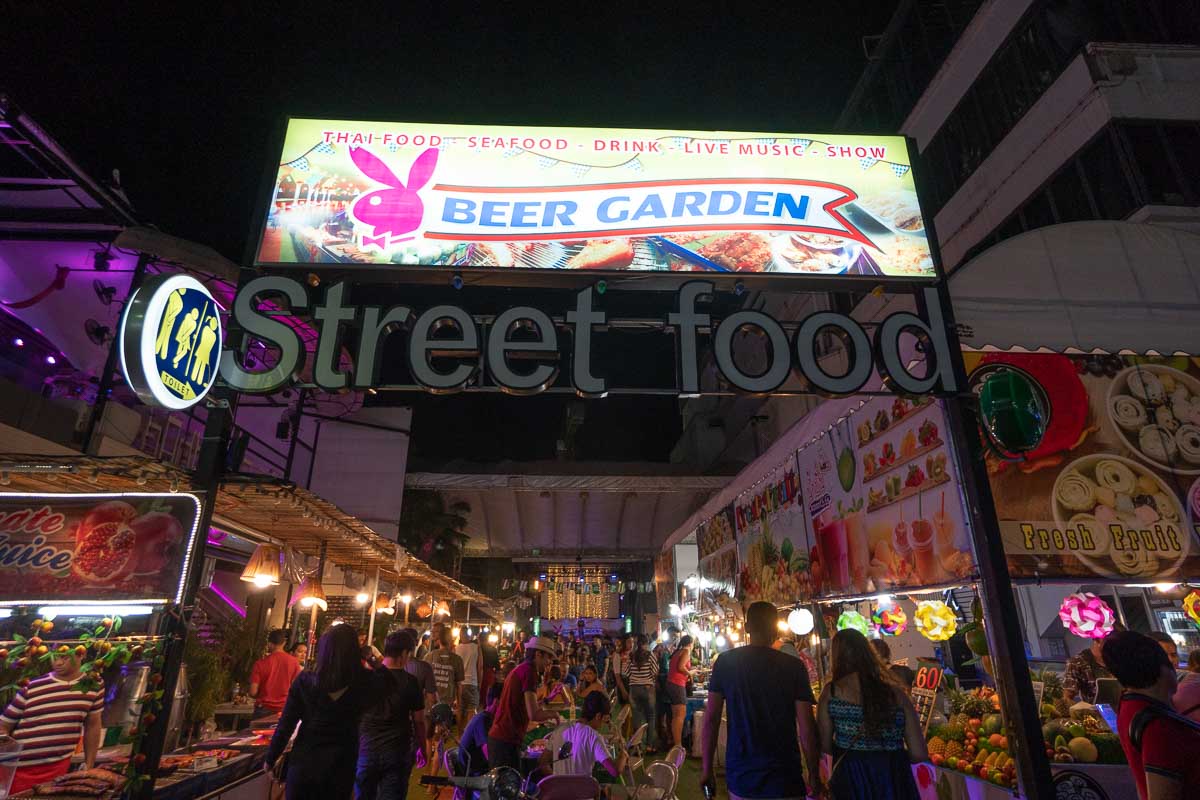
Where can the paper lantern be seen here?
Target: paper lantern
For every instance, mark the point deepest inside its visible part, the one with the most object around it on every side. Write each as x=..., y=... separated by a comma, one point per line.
x=1086, y=615
x=800, y=621
x=1191, y=604
x=935, y=620
x=891, y=621
x=853, y=620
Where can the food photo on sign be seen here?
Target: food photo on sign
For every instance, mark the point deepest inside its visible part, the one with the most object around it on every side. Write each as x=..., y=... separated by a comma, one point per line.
x=95, y=546
x=773, y=546
x=594, y=199
x=717, y=551
x=883, y=501
x=1112, y=489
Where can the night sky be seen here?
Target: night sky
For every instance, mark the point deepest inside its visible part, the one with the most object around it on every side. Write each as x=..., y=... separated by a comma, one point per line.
x=184, y=101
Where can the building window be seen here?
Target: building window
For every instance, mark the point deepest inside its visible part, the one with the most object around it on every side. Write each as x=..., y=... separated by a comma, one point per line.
x=1107, y=179
x=1070, y=198
x=1156, y=173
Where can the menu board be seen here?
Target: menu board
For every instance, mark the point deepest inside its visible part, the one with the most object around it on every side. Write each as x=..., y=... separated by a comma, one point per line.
x=883, y=501
x=772, y=541
x=718, y=551
x=924, y=701
x=1113, y=490
x=95, y=546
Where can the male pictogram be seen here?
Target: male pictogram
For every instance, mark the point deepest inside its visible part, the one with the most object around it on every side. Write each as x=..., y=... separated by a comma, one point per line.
x=174, y=306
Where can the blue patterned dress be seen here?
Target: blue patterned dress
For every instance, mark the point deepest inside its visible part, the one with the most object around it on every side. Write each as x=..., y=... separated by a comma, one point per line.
x=870, y=766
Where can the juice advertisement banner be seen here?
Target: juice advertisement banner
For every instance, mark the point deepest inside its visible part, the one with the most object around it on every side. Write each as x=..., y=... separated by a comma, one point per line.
x=1113, y=489
x=718, y=551
x=773, y=545
x=883, y=500
x=594, y=199
x=94, y=546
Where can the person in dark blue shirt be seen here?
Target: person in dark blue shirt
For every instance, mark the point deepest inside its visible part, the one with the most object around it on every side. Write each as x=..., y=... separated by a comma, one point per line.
x=472, y=747
x=767, y=697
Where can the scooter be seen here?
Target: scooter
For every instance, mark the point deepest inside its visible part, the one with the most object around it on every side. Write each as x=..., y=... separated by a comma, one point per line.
x=502, y=783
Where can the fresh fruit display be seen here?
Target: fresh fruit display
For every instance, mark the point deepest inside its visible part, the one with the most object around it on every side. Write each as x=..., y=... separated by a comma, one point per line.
x=887, y=454
x=914, y=478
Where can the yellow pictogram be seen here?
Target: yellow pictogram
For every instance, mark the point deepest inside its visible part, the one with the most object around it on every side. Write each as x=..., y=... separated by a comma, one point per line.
x=174, y=306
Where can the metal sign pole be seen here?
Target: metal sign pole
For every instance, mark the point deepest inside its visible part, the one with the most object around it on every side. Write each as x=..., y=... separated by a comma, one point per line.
x=1007, y=644
x=374, y=612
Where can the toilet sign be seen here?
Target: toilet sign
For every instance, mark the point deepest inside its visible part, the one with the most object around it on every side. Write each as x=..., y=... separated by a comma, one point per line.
x=171, y=341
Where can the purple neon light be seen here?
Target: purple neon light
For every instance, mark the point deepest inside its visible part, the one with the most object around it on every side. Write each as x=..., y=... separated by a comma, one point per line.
x=215, y=590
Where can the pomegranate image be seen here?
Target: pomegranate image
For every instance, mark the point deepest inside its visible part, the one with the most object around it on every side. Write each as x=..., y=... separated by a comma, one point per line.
x=159, y=538
x=104, y=544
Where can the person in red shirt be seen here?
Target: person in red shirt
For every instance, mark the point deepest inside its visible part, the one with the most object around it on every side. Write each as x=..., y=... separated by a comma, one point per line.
x=519, y=705
x=272, y=676
x=1162, y=747
x=47, y=717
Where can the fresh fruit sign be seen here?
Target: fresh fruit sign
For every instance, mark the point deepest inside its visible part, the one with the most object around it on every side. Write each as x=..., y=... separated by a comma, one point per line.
x=95, y=546
x=594, y=199
x=1113, y=490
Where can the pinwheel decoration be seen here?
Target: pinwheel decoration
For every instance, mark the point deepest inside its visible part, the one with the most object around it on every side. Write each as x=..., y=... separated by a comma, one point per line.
x=935, y=620
x=1086, y=615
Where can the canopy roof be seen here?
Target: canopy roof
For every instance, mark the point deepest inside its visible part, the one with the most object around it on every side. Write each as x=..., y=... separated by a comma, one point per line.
x=277, y=512
x=1084, y=286
x=621, y=511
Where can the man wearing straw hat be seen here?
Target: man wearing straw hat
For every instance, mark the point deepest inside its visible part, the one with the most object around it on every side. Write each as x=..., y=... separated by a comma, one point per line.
x=519, y=705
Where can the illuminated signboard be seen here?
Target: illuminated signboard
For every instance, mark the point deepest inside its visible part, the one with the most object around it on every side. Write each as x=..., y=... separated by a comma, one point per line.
x=594, y=199
x=130, y=547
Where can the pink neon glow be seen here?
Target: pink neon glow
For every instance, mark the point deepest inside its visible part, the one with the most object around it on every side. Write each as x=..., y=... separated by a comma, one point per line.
x=240, y=611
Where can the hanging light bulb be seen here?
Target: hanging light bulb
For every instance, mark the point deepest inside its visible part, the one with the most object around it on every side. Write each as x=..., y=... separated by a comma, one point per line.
x=311, y=593
x=734, y=636
x=782, y=626
x=361, y=598
x=800, y=621
x=383, y=604
x=263, y=567
x=721, y=641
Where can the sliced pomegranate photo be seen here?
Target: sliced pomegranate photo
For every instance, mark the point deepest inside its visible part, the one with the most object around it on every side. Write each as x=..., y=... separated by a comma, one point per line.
x=158, y=543
x=104, y=544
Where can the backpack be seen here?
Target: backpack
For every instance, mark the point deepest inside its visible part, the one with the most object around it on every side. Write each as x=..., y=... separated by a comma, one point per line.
x=1155, y=710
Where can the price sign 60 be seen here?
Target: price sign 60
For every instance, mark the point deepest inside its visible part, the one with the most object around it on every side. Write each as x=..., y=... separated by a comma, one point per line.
x=929, y=678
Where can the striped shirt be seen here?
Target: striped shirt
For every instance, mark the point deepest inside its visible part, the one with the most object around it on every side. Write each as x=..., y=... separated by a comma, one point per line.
x=47, y=718
x=644, y=674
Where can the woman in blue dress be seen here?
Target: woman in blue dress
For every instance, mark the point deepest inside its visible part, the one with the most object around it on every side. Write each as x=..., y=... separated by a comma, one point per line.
x=868, y=725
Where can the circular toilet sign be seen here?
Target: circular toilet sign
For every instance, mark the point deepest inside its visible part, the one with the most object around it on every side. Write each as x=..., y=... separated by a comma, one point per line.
x=171, y=341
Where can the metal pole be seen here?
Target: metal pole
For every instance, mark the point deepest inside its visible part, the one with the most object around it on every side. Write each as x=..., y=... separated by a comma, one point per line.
x=1006, y=643
x=1116, y=590
x=312, y=619
x=373, y=611
x=110, y=364
x=297, y=415
x=207, y=481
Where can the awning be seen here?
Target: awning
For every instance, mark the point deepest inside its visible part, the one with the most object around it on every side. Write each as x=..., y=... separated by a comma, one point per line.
x=618, y=511
x=1084, y=286
x=281, y=513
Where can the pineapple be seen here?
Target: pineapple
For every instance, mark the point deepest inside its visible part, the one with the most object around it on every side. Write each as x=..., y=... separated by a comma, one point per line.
x=937, y=746
x=1062, y=707
x=955, y=733
x=954, y=750
x=1051, y=682
x=960, y=720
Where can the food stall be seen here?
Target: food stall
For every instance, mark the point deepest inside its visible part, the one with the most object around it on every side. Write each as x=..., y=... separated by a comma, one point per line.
x=856, y=518
x=118, y=531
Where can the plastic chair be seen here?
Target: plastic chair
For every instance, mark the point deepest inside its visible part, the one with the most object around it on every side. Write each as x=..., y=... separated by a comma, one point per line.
x=676, y=756
x=454, y=768
x=635, y=741
x=568, y=787
x=618, y=721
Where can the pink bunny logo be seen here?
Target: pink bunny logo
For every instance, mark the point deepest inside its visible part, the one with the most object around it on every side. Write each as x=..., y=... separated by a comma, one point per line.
x=396, y=210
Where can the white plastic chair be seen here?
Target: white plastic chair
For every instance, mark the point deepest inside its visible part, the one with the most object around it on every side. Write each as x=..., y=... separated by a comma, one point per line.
x=676, y=756
x=620, y=718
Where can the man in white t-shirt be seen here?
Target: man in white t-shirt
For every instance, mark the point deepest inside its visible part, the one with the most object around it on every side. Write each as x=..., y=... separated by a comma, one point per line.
x=468, y=692
x=588, y=747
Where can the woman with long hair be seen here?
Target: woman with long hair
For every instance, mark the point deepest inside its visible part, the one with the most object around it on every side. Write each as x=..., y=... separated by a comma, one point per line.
x=641, y=675
x=329, y=700
x=588, y=683
x=678, y=675
x=868, y=725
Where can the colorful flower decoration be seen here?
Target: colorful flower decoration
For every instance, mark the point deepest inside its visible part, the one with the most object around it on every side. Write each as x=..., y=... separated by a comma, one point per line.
x=935, y=620
x=854, y=620
x=1191, y=604
x=891, y=621
x=1086, y=615
x=800, y=621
